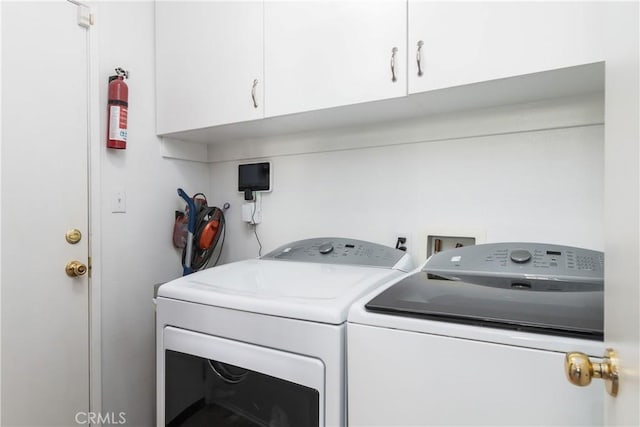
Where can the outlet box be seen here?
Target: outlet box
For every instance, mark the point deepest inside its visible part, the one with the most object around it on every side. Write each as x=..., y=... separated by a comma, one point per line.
x=446, y=238
x=251, y=213
x=437, y=244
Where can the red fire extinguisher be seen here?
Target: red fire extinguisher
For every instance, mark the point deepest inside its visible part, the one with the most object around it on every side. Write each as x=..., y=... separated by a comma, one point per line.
x=117, y=110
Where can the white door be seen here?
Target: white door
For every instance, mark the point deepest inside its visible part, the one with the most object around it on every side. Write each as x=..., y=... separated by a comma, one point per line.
x=622, y=205
x=321, y=54
x=45, y=312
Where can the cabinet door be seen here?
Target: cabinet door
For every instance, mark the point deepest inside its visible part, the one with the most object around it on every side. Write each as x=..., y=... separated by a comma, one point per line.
x=208, y=55
x=467, y=42
x=321, y=54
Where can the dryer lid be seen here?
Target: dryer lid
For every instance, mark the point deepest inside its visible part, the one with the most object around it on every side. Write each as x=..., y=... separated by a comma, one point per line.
x=308, y=291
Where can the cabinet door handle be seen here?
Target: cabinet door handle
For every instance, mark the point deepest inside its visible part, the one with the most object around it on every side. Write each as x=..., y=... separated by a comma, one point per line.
x=253, y=93
x=419, y=57
x=393, y=64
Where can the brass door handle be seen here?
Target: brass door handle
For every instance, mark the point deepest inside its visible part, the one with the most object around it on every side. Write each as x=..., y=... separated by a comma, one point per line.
x=75, y=268
x=580, y=370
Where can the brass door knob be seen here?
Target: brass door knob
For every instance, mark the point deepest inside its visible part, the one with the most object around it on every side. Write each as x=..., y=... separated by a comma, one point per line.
x=75, y=268
x=580, y=370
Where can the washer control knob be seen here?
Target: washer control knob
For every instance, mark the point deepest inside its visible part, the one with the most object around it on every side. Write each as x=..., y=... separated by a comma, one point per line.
x=326, y=248
x=520, y=256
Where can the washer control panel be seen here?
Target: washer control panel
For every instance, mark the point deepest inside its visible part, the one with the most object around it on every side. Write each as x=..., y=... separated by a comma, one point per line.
x=533, y=266
x=337, y=250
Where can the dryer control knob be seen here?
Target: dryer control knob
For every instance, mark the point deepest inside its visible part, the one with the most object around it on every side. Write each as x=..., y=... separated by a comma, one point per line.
x=326, y=248
x=520, y=256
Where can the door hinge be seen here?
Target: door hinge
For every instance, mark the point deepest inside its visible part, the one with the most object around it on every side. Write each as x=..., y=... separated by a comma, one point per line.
x=85, y=17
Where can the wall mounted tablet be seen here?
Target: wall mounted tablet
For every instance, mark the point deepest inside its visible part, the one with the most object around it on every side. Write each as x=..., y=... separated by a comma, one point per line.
x=254, y=176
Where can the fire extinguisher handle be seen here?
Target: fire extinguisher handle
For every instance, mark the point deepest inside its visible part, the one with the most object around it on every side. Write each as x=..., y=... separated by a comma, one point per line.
x=121, y=72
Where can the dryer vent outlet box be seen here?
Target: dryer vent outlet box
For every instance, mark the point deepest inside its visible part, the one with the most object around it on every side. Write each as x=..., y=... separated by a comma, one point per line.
x=437, y=244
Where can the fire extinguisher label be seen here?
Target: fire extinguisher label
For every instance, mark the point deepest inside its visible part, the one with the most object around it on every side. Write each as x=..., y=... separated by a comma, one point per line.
x=118, y=123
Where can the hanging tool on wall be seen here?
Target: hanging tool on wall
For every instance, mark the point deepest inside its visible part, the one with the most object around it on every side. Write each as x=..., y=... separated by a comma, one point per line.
x=198, y=231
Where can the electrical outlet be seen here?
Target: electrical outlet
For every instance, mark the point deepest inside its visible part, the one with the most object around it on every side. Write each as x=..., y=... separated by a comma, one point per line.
x=251, y=213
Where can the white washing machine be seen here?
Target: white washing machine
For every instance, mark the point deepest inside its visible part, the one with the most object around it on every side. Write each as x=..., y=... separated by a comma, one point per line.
x=484, y=348
x=262, y=342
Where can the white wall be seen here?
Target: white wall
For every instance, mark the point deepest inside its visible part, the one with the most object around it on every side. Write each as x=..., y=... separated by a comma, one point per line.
x=542, y=185
x=136, y=246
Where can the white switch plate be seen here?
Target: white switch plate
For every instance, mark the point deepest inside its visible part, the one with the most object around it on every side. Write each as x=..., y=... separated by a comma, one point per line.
x=119, y=202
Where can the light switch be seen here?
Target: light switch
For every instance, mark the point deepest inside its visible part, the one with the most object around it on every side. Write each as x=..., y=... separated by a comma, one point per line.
x=119, y=202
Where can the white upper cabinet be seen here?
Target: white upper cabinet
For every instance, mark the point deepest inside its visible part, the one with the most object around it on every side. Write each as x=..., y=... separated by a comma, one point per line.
x=468, y=42
x=209, y=57
x=321, y=54
x=235, y=61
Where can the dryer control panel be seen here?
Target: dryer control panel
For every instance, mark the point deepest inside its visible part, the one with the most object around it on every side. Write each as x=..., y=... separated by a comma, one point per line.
x=337, y=250
x=533, y=266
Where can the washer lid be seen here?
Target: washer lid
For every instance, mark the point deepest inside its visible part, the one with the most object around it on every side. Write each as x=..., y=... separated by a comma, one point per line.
x=575, y=314
x=299, y=290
